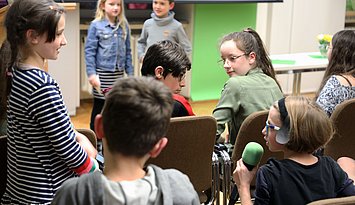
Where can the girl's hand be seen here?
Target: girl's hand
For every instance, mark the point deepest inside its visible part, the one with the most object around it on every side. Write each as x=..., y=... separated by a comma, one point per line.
x=94, y=80
x=242, y=176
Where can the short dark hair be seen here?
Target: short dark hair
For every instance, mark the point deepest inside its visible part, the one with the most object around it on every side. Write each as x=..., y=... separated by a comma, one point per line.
x=167, y=54
x=136, y=115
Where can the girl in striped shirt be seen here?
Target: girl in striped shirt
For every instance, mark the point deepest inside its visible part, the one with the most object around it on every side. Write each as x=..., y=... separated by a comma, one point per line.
x=43, y=148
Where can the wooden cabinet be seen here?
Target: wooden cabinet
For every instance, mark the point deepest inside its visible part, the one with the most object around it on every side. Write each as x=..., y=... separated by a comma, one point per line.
x=3, y=11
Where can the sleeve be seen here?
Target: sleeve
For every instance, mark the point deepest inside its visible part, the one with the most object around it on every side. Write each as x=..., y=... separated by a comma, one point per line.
x=345, y=185
x=128, y=63
x=228, y=105
x=87, y=189
x=327, y=98
x=91, y=47
x=262, y=192
x=47, y=108
x=142, y=41
x=183, y=39
x=348, y=188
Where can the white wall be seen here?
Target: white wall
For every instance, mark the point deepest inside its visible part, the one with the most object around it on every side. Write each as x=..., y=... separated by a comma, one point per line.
x=65, y=70
x=292, y=26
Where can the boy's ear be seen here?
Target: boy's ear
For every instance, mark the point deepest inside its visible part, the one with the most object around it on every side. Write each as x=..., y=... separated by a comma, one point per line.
x=171, y=5
x=158, y=71
x=99, y=129
x=158, y=147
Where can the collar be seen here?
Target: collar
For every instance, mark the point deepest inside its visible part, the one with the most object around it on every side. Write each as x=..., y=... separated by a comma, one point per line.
x=254, y=71
x=163, y=21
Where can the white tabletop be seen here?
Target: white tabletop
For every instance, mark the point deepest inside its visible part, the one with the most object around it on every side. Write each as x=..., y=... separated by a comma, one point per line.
x=299, y=62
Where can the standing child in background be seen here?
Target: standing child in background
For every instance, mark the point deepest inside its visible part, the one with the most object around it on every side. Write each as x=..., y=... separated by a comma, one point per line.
x=133, y=125
x=43, y=148
x=252, y=85
x=107, y=51
x=297, y=127
x=167, y=62
x=162, y=26
x=338, y=83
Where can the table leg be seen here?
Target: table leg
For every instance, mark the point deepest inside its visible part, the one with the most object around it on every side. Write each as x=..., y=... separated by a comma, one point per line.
x=296, y=87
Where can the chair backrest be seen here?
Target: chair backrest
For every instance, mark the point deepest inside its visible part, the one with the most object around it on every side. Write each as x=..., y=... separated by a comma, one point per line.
x=343, y=141
x=89, y=134
x=190, y=146
x=250, y=131
x=335, y=201
x=3, y=164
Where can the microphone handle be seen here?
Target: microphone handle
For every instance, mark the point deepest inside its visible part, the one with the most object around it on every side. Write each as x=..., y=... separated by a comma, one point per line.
x=249, y=166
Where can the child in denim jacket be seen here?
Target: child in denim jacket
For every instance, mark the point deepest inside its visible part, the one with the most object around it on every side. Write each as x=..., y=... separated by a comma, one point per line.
x=107, y=51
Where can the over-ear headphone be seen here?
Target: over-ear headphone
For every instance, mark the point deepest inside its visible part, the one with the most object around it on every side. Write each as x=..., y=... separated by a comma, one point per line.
x=283, y=135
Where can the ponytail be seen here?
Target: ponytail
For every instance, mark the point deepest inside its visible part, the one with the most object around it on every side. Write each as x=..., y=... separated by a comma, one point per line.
x=7, y=60
x=262, y=58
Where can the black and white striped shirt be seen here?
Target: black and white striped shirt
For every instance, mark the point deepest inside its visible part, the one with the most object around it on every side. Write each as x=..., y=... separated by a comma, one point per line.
x=107, y=80
x=42, y=149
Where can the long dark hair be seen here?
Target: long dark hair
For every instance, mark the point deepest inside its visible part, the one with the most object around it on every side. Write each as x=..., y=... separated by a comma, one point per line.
x=40, y=15
x=342, y=58
x=249, y=41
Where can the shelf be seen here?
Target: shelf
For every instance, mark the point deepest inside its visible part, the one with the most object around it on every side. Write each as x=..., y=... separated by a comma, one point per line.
x=68, y=6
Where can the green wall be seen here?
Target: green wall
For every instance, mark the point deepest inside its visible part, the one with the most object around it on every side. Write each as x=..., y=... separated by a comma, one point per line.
x=212, y=21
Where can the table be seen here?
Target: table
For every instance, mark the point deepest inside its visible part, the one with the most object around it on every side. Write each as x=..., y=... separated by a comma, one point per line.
x=298, y=63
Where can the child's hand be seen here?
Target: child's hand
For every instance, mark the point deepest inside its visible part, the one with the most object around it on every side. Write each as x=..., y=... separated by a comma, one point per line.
x=242, y=176
x=94, y=80
x=86, y=144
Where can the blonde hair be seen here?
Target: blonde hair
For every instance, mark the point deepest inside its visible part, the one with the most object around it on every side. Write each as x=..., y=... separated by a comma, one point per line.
x=310, y=127
x=120, y=22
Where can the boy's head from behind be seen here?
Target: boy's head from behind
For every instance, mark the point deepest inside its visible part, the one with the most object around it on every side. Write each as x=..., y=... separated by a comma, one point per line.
x=166, y=58
x=161, y=8
x=136, y=115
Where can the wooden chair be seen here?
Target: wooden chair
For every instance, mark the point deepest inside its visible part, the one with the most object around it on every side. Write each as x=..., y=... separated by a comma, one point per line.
x=335, y=201
x=250, y=131
x=343, y=141
x=3, y=164
x=90, y=135
x=189, y=149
